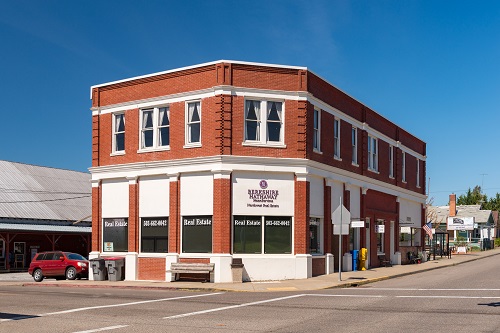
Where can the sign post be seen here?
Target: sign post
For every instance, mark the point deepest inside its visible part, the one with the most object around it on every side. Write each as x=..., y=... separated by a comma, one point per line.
x=341, y=218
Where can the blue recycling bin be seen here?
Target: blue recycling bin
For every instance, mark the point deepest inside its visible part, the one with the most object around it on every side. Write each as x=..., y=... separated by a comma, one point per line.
x=354, y=259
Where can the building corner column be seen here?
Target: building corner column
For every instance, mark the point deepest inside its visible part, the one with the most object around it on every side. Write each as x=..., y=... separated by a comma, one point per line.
x=96, y=215
x=174, y=215
x=301, y=214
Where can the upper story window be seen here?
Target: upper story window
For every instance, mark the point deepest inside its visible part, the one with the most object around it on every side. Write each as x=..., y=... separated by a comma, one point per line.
x=317, y=132
x=155, y=128
x=119, y=133
x=263, y=122
x=193, y=124
x=403, y=171
x=391, y=161
x=354, y=143
x=418, y=172
x=372, y=153
x=336, y=138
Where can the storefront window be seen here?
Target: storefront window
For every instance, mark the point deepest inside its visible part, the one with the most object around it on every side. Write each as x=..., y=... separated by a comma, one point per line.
x=380, y=231
x=247, y=236
x=314, y=235
x=197, y=234
x=115, y=235
x=405, y=236
x=278, y=234
x=154, y=234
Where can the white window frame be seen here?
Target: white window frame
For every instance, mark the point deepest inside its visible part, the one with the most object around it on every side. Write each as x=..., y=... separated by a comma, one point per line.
x=263, y=121
x=391, y=161
x=317, y=130
x=336, y=138
x=403, y=171
x=418, y=172
x=114, y=151
x=372, y=153
x=156, y=129
x=354, y=143
x=188, y=125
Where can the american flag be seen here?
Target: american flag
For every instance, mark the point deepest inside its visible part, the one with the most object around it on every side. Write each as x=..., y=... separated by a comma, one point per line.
x=428, y=229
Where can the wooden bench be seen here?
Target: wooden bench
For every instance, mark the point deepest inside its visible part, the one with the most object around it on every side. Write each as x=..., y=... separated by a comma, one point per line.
x=191, y=268
x=384, y=262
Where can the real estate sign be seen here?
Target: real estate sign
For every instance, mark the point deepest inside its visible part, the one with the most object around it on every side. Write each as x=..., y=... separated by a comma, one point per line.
x=460, y=223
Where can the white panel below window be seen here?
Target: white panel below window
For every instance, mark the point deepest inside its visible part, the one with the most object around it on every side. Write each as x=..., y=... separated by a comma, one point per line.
x=115, y=198
x=197, y=191
x=154, y=196
x=316, y=201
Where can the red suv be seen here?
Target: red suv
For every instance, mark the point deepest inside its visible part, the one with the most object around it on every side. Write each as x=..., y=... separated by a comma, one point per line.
x=59, y=265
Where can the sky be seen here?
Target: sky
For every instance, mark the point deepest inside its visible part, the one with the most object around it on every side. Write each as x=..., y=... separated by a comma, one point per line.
x=431, y=67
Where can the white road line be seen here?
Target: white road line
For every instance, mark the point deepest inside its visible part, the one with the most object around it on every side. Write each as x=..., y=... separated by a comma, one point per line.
x=125, y=304
x=231, y=307
x=424, y=289
x=354, y=296
x=451, y=297
x=103, y=329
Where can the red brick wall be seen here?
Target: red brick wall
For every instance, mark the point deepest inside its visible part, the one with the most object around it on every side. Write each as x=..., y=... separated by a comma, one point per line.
x=223, y=119
x=151, y=269
x=96, y=218
x=318, y=266
x=221, y=223
x=133, y=218
x=160, y=85
x=301, y=214
x=174, y=242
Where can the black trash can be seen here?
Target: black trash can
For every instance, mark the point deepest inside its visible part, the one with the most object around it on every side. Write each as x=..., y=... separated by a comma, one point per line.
x=99, y=271
x=116, y=268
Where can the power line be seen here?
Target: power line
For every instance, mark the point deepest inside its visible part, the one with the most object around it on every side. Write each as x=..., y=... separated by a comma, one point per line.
x=47, y=200
x=14, y=190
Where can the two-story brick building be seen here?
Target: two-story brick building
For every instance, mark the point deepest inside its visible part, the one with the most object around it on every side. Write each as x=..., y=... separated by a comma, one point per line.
x=231, y=159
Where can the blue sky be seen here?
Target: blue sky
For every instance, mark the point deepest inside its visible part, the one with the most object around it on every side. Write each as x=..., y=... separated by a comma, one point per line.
x=432, y=67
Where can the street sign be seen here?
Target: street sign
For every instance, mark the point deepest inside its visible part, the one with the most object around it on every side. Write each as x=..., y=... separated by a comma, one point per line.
x=345, y=229
x=341, y=211
x=357, y=224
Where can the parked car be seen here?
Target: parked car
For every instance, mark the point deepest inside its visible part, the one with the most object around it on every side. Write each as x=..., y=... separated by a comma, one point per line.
x=60, y=265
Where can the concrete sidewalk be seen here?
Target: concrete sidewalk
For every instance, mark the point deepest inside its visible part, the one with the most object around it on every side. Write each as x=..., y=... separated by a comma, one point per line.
x=316, y=283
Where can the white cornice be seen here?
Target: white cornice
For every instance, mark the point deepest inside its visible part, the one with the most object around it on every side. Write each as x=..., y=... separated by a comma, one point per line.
x=302, y=167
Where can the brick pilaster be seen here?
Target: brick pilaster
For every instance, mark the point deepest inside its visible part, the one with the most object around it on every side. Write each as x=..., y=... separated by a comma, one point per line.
x=174, y=221
x=328, y=227
x=301, y=234
x=96, y=215
x=133, y=215
x=221, y=222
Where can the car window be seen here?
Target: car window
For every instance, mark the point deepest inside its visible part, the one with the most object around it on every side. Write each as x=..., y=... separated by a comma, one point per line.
x=48, y=256
x=41, y=256
x=57, y=256
x=75, y=256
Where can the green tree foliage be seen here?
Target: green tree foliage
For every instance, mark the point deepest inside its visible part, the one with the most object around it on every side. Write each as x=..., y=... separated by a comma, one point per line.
x=475, y=197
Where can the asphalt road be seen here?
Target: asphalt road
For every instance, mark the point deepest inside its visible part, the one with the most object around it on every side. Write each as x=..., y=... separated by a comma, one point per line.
x=463, y=298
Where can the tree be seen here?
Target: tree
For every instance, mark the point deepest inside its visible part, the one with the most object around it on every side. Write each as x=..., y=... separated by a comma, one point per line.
x=476, y=197
x=472, y=197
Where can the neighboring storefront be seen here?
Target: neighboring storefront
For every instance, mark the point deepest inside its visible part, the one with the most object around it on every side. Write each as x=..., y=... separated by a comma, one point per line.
x=42, y=209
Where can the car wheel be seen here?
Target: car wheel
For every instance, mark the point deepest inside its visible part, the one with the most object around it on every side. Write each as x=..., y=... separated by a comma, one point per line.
x=37, y=275
x=71, y=273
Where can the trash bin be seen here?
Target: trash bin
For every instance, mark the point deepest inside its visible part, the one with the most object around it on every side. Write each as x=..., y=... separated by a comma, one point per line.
x=354, y=260
x=116, y=268
x=99, y=271
x=237, y=270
